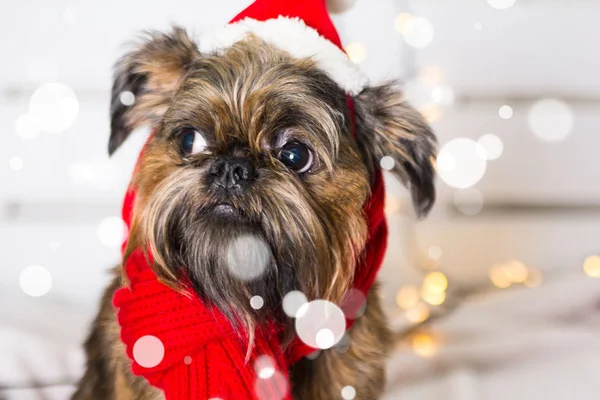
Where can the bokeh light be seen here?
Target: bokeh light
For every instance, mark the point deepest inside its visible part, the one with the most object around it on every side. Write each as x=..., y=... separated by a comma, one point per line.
x=424, y=345
x=148, y=351
x=187, y=360
x=387, y=163
x=257, y=302
x=435, y=252
x=418, y=32
x=516, y=271
x=264, y=366
x=591, y=266
x=348, y=393
x=407, y=297
x=501, y=4
x=35, y=280
x=435, y=282
x=506, y=112
x=443, y=95
x=468, y=201
x=112, y=232
x=127, y=98
x=417, y=314
x=354, y=303
x=433, y=298
x=248, y=257
x=15, y=163
x=535, y=277
x=357, y=52
x=492, y=146
x=499, y=277
x=293, y=302
x=54, y=106
x=461, y=163
x=551, y=120
x=27, y=127
x=401, y=20
x=321, y=324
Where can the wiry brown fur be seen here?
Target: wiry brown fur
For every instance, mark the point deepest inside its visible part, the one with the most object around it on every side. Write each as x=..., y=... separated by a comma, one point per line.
x=249, y=102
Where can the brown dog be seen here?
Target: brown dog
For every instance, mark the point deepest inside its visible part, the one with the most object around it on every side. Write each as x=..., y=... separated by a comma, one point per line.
x=246, y=109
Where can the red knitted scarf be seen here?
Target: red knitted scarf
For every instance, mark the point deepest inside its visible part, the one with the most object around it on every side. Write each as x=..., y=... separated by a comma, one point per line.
x=204, y=357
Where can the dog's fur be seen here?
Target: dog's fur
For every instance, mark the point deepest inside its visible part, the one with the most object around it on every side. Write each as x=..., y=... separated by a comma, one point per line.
x=248, y=102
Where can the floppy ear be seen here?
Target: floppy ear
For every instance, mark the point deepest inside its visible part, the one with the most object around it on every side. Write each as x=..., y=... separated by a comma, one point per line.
x=152, y=72
x=388, y=126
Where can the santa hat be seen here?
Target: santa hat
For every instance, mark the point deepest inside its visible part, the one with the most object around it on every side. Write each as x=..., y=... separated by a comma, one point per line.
x=300, y=27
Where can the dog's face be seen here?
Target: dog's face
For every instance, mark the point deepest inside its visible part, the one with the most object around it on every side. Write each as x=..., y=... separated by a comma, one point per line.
x=253, y=182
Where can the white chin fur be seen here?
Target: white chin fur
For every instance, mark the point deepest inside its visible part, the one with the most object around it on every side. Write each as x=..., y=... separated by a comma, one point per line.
x=338, y=6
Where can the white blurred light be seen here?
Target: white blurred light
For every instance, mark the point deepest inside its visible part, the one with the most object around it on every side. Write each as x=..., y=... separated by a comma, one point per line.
x=443, y=95
x=435, y=252
x=127, y=98
x=468, y=201
x=551, y=120
x=69, y=15
x=387, y=163
x=248, y=257
x=401, y=20
x=27, y=127
x=501, y=4
x=354, y=303
x=506, y=112
x=321, y=325
x=293, y=302
x=112, y=232
x=348, y=393
x=15, y=163
x=35, y=280
x=257, y=302
x=274, y=388
x=187, y=360
x=461, y=163
x=148, y=351
x=264, y=366
x=418, y=32
x=54, y=106
x=357, y=52
x=492, y=145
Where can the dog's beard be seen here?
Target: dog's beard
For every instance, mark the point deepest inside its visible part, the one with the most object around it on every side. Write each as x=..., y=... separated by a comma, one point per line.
x=266, y=242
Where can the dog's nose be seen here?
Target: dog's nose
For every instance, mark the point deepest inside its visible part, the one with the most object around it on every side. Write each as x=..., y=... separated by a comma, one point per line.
x=232, y=172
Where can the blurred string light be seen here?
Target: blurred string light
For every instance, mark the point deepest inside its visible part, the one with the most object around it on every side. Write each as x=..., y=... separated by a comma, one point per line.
x=591, y=266
x=424, y=345
x=112, y=232
x=54, y=107
x=357, y=52
x=468, y=201
x=15, y=163
x=407, y=297
x=551, y=120
x=492, y=146
x=501, y=4
x=418, y=32
x=433, y=289
x=417, y=314
x=35, y=280
x=506, y=112
x=27, y=127
x=443, y=95
x=515, y=272
x=461, y=163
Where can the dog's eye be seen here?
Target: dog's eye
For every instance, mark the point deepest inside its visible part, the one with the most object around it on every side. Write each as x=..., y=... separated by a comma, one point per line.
x=192, y=141
x=296, y=157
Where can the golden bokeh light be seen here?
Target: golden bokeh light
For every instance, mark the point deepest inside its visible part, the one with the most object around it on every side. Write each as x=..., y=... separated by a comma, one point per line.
x=357, y=52
x=591, y=266
x=435, y=282
x=516, y=271
x=424, y=345
x=417, y=314
x=401, y=20
x=433, y=298
x=407, y=297
x=499, y=277
x=534, y=278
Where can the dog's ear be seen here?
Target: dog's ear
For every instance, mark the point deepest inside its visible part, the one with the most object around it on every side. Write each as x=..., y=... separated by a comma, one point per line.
x=388, y=126
x=152, y=72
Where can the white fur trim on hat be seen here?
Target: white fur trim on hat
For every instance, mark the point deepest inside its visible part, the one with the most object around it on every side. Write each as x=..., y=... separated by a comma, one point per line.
x=298, y=39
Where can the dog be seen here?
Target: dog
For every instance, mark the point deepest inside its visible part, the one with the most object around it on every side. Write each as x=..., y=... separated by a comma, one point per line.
x=253, y=141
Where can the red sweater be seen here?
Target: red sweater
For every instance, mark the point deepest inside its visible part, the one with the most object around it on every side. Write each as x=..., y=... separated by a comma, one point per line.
x=204, y=357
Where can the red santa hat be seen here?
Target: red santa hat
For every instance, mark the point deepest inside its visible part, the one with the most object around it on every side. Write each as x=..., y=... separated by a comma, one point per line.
x=300, y=27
